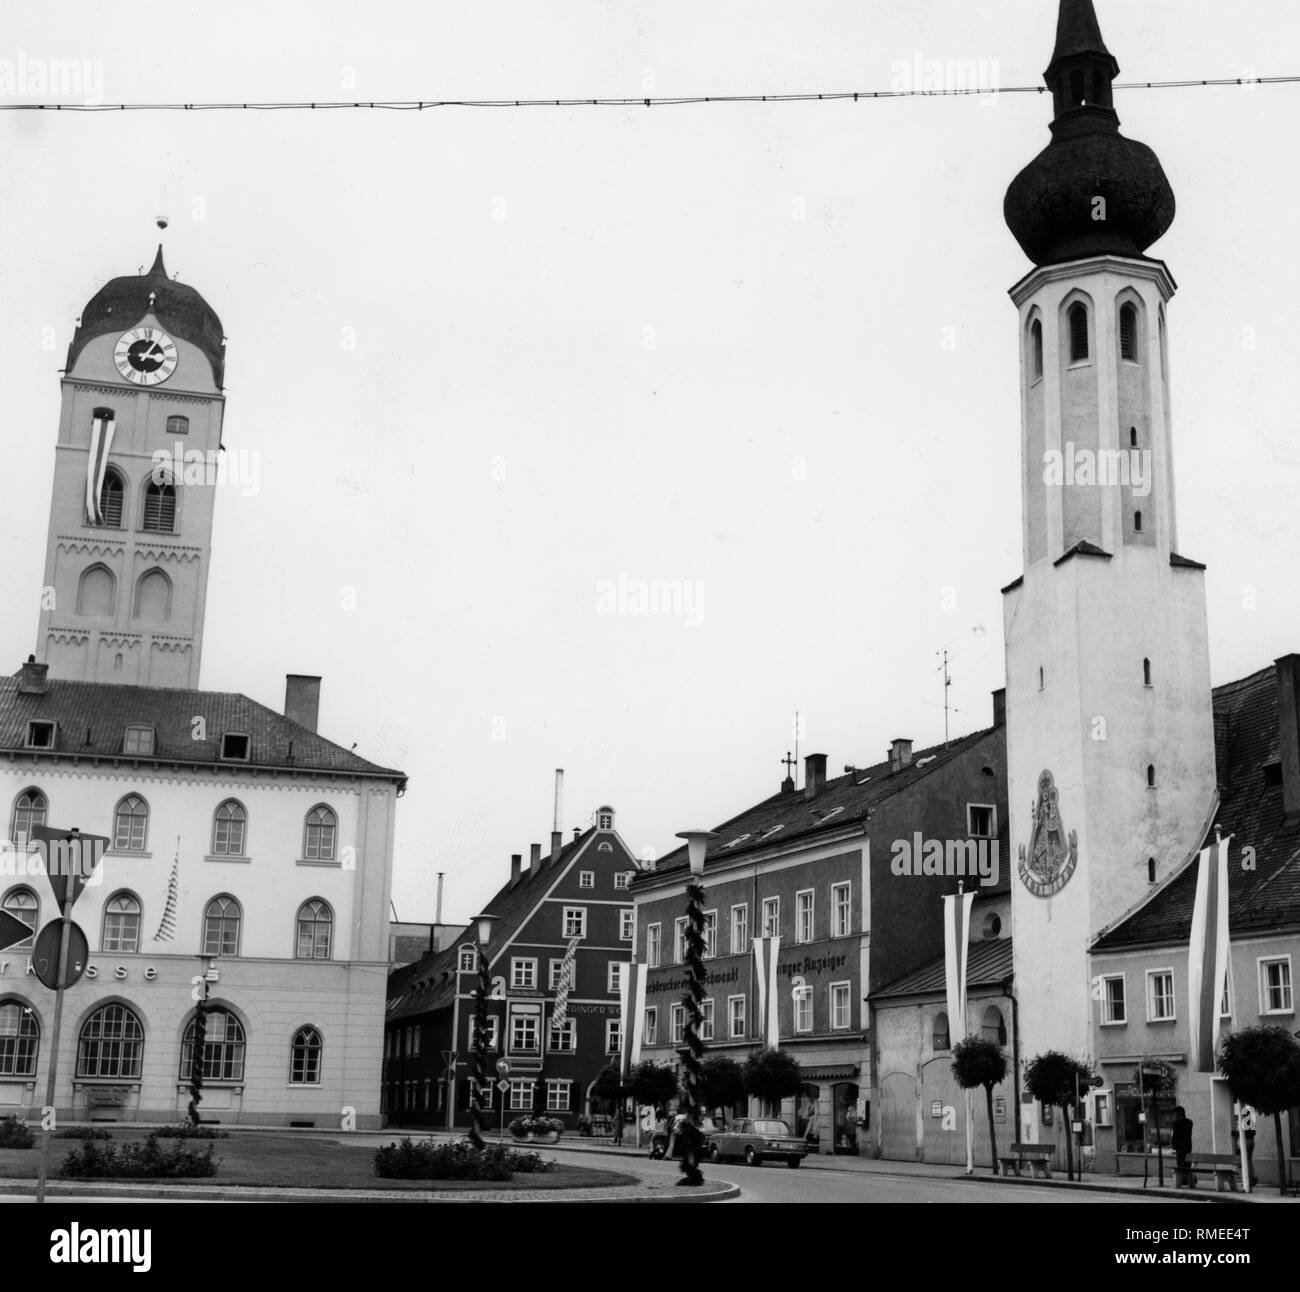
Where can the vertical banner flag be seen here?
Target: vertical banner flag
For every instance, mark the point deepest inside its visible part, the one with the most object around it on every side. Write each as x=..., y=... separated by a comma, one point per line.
x=560, y=1014
x=1207, y=954
x=631, y=999
x=956, y=940
x=766, y=951
x=101, y=440
x=167, y=927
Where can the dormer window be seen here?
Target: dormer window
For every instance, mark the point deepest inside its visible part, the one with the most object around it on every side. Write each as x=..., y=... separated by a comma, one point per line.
x=138, y=740
x=235, y=746
x=41, y=734
x=604, y=820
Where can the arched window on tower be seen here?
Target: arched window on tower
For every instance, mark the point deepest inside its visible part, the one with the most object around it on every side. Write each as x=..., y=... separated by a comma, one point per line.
x=1151, y=870
x=1036, y=349
x=1077, y=317
x=1137, y=522
x=96, y=591
x=160, y=507
x=1128, y=328
x=1133, y=437
x=111, y=495
x=153, y=596
x=1146, y=672
x=1077, y=98
x=1151, y=774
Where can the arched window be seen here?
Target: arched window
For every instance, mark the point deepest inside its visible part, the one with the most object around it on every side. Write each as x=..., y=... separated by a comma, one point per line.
x=23, y=905
x=112, y=493
x=1133, y=437
x=30, y=808
x=304, y=1057
x=96, y=591
x=1151, y=774
x=1146, y=672
x=1036, y=349
x=1151, y=870
x=1137, y=522
x=315, y=930
x=229, y=829
x=993, y=1026
x=223, y=1047
x=1077, y=317
x=318, y=837
x=131, y=824
x=1076, y=88
x=940, y=1035
x=160, y=506
x=121, y=923
x=177, y=425
x=153, y=596
x=221, y=922
x=20, y=1039
x=1128, y=330
x=111, y=1044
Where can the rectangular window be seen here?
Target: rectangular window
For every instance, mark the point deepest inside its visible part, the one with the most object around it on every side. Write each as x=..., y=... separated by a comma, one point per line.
x=651, y=1036
x=1112, y=999
x=679, y=940
x=653, y=938
x=235, y=745
x=523, y=973
x=486, y=1092
x=771, y=916
x=40, y=734
x=623, y=879
x=740, y=929
x=803, y=1010
x=553, y=968
x=981, y=820
x=575, y=922
x=563, y=1040
x=1275, y=986
x=706, y=1020
x=841, y=1006
x=557, y=1096
x=676, y=1024
x=1160, y=995
x=626, y=925
x=613, y=1035
x=841, y=910
x=491, y=1034
x=523, y=1033
x=735, y=1018
x=615, y=975
x=1101, y=1109
x=710, y=934
x=586, y=879
x=521, y=1095
x=139, y=740
x=803, y=925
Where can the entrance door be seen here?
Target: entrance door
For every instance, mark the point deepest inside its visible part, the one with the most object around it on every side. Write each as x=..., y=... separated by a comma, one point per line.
x=898, y=1117
x=844, y=1117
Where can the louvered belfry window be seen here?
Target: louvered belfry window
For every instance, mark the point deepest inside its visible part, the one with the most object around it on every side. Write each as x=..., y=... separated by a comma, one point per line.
x=110, y=500
x=1128, y=332
x=160, y=508
x=1078, y=333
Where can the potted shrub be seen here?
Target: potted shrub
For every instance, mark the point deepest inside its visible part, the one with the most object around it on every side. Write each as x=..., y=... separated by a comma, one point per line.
x=540, y=1130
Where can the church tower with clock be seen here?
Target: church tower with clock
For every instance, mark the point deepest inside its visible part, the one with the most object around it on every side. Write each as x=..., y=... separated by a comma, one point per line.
x=127, y=557
x=1110, y=732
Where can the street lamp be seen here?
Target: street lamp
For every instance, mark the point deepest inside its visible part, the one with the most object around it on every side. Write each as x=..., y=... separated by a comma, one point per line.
x=691, y=1135
x=484, y=924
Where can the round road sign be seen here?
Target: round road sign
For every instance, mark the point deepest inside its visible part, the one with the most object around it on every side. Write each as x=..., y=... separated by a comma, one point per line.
x=45, y=954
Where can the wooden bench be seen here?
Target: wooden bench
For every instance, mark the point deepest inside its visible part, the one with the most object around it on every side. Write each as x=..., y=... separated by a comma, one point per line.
x=1225, y=1167
x=1039, y=1157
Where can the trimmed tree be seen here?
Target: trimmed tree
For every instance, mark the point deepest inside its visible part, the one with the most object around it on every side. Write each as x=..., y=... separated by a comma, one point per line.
x=653, y=1084
x=979, y=1062
x=772, y=1075
x=722, y=1082
x=1050, y=1078
x=608, y=1084
x=1262, y=1066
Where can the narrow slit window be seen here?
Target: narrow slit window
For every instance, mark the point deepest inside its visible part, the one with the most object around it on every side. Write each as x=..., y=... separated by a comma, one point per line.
x=1151, y=774
x=1133, y=437
x=1078, y=321
x=1128, y=332
x=1146, y=672
x=1151, y=870
x=1036, y=349
x=1137, y=522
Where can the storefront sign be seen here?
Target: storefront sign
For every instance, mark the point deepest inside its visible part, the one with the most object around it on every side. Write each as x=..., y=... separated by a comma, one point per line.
x=999, y=1109
x=120, y=973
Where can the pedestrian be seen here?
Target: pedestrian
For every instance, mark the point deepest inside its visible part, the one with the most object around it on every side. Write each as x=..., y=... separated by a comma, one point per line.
x=618, y=1126
x=1181, y=1143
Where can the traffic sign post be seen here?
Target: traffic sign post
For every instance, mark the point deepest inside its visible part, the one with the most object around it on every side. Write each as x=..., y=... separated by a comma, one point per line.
x=503, y=1071
x=70, y=860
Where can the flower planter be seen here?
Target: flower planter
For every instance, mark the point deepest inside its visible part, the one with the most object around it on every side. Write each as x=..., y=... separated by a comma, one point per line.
x=537, y=1137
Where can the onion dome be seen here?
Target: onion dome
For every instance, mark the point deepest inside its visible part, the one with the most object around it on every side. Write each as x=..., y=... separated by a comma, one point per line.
x=122, y=302
x=1053, y=206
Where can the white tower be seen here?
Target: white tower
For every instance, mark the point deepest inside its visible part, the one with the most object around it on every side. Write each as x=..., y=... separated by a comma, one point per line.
x=1111, y=774
x=126, y=564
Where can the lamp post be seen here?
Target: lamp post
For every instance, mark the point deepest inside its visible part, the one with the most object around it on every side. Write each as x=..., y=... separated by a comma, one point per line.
x=484, y=923
x=691, y=1136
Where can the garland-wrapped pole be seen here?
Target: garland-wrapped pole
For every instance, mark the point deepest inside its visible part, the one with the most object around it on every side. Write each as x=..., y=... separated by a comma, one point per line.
x=691, y=1136
x=196, y=1057
x=480, y=1051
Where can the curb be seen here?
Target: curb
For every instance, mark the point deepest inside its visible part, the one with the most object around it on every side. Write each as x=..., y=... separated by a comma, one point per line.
x=1180, y=1195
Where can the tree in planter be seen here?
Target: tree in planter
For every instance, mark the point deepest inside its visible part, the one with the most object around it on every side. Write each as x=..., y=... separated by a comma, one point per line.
x=722, y=1083
x=979, y=1062
x=1262, y=1066
x=653, y=1084
x=1051, y=1078
x=608, y=1084
x=771, y=1076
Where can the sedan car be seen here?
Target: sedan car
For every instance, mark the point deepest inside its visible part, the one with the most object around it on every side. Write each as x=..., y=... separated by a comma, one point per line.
x=756, y=1139
x=659, y=1140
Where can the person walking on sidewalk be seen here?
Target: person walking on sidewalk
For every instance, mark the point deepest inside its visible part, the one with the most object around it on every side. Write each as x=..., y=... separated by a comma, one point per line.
x=1181, y=1142
x=618, y=1126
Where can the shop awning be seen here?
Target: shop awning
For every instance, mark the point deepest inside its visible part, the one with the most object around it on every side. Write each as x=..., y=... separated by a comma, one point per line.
x=829, y=1072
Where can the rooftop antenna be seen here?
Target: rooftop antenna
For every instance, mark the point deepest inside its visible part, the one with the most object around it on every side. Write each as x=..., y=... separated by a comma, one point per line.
x=947, y=682
x=796, y=748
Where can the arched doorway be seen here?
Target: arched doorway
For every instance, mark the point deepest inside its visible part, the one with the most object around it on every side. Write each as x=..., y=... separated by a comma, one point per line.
x=844, y=1117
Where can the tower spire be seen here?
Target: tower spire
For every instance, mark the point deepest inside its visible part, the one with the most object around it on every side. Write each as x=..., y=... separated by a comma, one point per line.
x=158, y=269
x=1079, y=32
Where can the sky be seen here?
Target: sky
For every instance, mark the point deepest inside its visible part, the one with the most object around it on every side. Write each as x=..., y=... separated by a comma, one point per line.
x=501, y=367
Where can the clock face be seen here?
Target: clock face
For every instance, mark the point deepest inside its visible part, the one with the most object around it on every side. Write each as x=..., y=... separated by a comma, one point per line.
x=145, y=356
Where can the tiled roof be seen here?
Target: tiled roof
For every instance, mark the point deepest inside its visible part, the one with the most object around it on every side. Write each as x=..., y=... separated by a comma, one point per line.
x=92, y=719
x=843, y=801
x=1268, y=897
x=988, y=964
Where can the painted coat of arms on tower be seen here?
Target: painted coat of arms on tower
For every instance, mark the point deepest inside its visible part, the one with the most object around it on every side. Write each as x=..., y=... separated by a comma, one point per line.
x=1052, y=855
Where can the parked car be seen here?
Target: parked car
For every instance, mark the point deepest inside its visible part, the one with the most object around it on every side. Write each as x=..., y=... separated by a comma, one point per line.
x=756, y=1139
x=659, y=1139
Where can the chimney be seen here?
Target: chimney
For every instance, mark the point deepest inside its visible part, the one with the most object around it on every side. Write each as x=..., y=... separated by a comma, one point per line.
x=32, y=679
x=1288, y=731
x=437, y=910
x=577, y=830
x=516, y=865
x=900, y=754
x=534, y=856
x=302, y=699
x=814, y=775
x=556, y=844
x=1000, y=707
x=787, y=785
